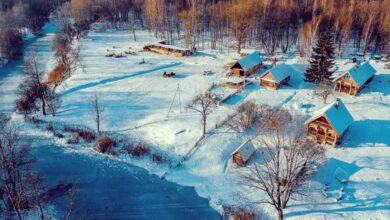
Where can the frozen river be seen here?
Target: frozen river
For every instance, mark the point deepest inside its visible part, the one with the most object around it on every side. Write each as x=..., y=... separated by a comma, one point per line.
x=111, y=189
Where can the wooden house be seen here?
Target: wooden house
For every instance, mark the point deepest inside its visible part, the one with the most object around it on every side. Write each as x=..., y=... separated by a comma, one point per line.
x=275, y=77
x=235, y=83
x=243, y=153
x=330, y=124
x=352, y=81
x=162, y=48
x=247, y=65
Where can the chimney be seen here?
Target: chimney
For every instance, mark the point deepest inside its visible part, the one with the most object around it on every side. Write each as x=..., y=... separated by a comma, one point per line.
x=336, y=104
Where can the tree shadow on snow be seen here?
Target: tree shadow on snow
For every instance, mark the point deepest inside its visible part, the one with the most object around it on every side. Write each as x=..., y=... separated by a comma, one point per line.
x=360, y=205
x=329, y=172
x=368, y=132
x=115, y=79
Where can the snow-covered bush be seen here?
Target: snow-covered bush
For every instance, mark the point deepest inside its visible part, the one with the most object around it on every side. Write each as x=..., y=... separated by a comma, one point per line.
x=140, y=150
x=105, y=145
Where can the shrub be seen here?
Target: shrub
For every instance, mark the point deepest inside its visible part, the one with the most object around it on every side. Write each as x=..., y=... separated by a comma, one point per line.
x=88, y=136
x=238, y=213
x=71, y=129
x=57, y=75
x=74, y=139
x=105, y=144
x=140, y=149
x=59, y=135
x=157, y=158
x=49, y=128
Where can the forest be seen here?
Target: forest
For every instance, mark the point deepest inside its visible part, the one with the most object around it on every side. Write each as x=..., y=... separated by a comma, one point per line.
x=270, y=25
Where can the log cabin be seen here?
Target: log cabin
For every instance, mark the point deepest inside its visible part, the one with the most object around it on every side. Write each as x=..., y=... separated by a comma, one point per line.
x=243, y=153
x=355, y=79
x=329, y=125
x=247, y=65
x=161, y=48
x=275, y=77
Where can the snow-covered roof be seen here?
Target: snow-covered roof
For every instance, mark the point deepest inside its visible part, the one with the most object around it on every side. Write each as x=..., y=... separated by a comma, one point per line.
x=360, y=73
x=247, y=51
x=337, y=115
x=280, y=72
x=250, y=61
x=168, y=46
x=235, y=80
x=246, y=150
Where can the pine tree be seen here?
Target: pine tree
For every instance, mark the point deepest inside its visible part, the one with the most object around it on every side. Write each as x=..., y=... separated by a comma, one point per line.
x=322, y=59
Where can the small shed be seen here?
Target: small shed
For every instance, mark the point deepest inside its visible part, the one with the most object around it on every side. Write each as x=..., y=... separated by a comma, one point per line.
x=330, y=124
x=354, y=80
x=277, y=76
x=234, y=83
x=163, y=48
x=247, y=65
x=243, y=153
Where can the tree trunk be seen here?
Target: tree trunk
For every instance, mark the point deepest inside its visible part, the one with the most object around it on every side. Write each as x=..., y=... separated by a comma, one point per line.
x=204, y=124
x=43, y=106
x=280, y=214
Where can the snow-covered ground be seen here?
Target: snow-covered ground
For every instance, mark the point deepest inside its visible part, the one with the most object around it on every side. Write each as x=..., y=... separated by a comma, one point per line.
x=139, y=102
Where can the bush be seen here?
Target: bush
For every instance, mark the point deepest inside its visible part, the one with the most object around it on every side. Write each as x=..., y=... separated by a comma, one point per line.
x=157, y=158
x=57, y=75
x=238, y=213
x=105, y=144
x=59, y=135
x=49, y=128
x=10, y=43
x=71, y=129
x=88, y=136
x=140, y=149
x=74, y=139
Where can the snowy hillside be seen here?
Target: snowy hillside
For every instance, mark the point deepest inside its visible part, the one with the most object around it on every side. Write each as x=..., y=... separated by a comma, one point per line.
x=139, y=102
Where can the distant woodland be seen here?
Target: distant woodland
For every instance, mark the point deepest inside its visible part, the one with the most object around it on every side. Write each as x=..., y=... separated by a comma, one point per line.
x=271, y=25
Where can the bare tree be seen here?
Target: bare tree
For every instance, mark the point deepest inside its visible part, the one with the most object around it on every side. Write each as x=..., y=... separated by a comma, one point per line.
x=325, y=90
x=20, y=186
x=97, y=110
x=204, y=104
x=53, y=101
x=288, y=160
x=33, y=88
x=247, y=115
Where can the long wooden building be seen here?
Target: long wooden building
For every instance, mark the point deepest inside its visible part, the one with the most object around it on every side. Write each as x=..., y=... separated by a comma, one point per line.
x=275, y=77
x=247, y=65
x=243, y=153
x=330, y=124
x=161, y=48
x=354, y=80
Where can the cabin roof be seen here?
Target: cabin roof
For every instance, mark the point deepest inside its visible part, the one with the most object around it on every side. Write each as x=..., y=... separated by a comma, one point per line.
x=279, y=72
x=168, y=46
x=337, y=115
x=235, y=80
x=246, y=150
x=360, y=73
x=249, y=61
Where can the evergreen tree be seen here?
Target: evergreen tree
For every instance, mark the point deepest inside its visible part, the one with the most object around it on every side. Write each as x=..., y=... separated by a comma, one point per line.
x=322, y=59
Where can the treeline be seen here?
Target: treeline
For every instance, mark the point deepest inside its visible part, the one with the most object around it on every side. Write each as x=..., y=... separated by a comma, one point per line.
x=272, y=25
x=17, y=16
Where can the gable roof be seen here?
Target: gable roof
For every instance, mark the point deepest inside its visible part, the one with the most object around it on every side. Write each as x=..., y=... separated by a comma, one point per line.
x=279, y=72
x=360, y=73
x=249, y=61
x=168, y=46
x=246, y=150
x=337, y=115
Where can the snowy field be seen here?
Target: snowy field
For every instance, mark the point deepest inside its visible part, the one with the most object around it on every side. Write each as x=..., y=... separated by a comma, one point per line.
x=139, y=102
